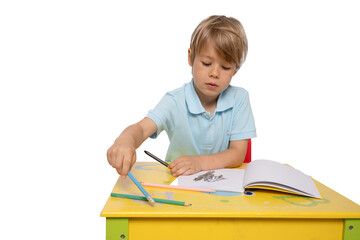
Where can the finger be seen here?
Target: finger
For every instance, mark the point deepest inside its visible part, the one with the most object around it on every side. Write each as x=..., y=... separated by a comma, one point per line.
x=116, y=162
x=188, y=172
x=173, y=164
x=133, y=159
x=177, y=164
x=119, y=159
x=175, y=168
x=114, y=158
x=110, y=156
x=181, y=170
x=126, y=165
x=119, y=167
x=177, y=161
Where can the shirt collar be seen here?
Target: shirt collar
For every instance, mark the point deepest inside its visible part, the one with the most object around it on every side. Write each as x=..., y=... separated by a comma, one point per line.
x=225, y=101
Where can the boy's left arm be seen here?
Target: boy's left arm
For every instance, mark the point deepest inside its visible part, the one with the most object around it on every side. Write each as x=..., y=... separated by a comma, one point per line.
x=232, y=157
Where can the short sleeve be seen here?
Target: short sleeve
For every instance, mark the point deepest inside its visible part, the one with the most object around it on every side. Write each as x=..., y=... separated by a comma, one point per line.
x=243, y=123
x=164, y=114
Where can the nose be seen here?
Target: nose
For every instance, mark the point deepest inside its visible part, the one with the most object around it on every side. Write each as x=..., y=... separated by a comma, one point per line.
x=214, y=72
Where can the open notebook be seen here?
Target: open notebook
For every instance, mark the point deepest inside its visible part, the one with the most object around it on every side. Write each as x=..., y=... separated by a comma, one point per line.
x=264, y=174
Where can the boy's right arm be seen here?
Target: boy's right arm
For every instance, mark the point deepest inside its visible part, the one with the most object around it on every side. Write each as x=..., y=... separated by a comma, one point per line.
x=122, y=154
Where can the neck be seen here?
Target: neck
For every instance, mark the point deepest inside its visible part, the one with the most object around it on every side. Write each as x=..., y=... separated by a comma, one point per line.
x=208, y=103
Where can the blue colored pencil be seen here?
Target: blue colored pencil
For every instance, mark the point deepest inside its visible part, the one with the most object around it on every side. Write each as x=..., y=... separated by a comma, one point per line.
x=147, y=195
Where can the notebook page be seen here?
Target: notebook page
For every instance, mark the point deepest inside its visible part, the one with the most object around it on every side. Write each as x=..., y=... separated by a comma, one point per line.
x=274, y=172
x=221, y=180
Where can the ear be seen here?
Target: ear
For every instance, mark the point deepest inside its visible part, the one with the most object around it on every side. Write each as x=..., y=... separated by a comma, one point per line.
x=189, y=57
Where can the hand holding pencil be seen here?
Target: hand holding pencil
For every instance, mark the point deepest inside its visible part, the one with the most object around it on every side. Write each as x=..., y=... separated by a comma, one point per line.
x=121, y=157
x=122, y=154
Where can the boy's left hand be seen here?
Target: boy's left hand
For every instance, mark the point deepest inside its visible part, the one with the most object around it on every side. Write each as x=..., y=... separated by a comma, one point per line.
x=185, y=165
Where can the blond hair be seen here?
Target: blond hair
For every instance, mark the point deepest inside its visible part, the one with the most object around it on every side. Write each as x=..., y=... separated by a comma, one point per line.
x=228, y=36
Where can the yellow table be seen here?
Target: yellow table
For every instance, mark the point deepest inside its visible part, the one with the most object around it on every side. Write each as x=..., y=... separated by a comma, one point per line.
x=257, y=214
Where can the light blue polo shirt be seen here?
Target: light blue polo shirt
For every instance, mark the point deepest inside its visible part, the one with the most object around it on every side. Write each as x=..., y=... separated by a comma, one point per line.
x=191, y=129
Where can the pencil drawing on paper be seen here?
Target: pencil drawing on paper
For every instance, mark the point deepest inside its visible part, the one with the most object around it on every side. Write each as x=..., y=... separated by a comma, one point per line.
x=209, y=177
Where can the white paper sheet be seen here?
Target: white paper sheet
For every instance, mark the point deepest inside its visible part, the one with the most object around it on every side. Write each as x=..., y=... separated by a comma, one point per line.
x=220, y=180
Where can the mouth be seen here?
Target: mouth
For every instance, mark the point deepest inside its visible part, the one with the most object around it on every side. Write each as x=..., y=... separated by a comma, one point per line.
x=212, y=85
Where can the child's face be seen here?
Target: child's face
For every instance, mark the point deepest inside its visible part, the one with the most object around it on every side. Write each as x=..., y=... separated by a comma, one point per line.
x=211, y=73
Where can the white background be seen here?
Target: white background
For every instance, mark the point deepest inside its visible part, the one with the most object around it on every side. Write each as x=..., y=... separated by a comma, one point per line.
x=74, y=74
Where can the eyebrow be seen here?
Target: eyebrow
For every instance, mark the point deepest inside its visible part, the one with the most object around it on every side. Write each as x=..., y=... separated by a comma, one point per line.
x=206, y=56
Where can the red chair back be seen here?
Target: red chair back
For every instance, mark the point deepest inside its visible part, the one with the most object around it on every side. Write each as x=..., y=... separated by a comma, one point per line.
x=248, y=152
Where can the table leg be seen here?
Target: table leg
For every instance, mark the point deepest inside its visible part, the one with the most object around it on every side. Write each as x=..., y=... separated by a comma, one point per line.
x=117, y=229
x=351, y=229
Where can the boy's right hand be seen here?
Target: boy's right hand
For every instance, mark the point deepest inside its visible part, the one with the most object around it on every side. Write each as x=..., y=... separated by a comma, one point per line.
x=122, y=158
x=122, y=154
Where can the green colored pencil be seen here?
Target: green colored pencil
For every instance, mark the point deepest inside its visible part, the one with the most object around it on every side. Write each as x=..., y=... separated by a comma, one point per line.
x=158, y=200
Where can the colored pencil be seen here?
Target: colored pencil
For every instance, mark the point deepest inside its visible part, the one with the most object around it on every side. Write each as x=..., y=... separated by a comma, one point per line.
x=177, y=187
x=157, y=159
x=158, y=200
x=147, y=195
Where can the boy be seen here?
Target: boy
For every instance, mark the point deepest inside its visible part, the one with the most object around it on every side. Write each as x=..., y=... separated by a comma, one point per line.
x=208, y=121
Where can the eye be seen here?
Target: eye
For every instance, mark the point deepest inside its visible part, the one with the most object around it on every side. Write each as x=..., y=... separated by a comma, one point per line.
x=206, y=64
x=226, y=68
